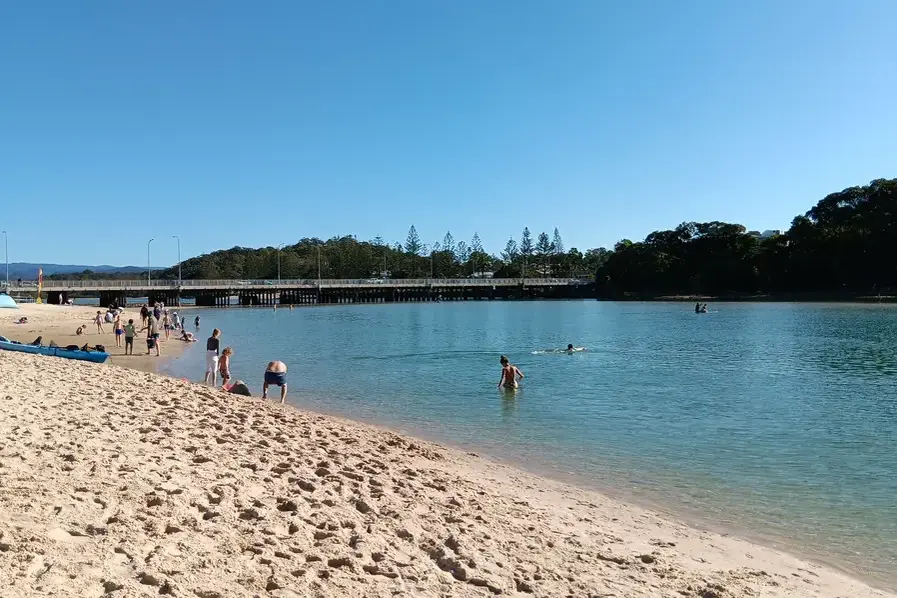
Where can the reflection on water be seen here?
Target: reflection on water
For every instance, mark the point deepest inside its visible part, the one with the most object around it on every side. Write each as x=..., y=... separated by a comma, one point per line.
x=777, y=418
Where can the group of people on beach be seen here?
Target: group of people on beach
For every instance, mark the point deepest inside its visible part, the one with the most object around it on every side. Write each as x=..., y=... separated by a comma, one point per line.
x=218, y=362
x=155, y=321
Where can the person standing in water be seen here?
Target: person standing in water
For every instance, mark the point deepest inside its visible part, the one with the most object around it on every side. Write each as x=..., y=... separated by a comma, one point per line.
x=510, y=374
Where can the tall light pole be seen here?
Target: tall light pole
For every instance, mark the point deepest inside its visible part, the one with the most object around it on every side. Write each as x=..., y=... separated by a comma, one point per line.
x=433, y=248
x=179, y=257
x=279, y=247
x=148, y=271
x=319, y=266
x=6, y=250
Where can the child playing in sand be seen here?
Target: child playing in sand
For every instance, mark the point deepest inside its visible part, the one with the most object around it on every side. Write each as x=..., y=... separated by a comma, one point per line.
x=130, y=333
x=99, y=322
x=119, y=330
x=224, y=365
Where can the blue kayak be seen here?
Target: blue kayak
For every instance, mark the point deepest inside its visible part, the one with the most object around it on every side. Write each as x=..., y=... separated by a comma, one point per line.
x=92, y=356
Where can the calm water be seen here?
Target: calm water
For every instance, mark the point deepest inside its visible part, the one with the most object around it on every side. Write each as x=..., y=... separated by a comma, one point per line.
x=777, y=418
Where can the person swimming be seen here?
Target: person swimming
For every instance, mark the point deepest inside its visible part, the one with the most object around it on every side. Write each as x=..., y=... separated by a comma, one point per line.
x=510, y=374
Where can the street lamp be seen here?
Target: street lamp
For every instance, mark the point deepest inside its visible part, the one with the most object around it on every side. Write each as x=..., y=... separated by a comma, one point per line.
x=148, y=271
x=279, y=247
x=6, y=249
x=319, y=266
x=433, y=249
x=179, y=257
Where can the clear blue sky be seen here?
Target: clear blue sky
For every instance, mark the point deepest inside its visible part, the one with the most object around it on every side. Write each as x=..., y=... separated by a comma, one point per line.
x=256, y=123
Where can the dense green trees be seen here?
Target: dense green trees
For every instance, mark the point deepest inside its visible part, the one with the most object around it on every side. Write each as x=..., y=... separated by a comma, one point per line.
x=846, y=243
x=346, y=257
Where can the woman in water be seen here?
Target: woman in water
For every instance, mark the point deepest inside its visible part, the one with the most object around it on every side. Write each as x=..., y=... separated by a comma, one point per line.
x=510, y=374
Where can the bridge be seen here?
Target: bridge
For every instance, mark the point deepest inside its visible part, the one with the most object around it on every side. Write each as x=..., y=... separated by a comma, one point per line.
x=223, y=293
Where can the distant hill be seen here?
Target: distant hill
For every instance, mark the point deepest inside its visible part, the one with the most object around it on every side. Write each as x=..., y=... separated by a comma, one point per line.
x=29, y=271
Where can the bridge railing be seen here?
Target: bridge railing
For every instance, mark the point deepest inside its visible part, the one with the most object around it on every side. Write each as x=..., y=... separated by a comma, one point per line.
x=51, y=285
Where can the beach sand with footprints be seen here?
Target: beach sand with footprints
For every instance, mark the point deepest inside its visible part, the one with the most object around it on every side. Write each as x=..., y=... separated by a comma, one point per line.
x=120, y=483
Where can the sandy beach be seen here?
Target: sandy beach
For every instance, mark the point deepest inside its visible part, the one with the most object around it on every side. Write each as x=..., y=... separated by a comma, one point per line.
x=59, y=323
x=116, y=482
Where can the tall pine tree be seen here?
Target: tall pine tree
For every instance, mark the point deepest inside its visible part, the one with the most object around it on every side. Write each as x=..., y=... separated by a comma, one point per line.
x=413, y=245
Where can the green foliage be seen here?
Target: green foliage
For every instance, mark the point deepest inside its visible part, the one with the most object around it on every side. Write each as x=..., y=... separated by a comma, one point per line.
x=844, y=243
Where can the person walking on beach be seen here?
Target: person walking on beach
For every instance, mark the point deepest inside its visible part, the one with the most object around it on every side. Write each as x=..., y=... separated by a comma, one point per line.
x=157, y=311
x=130, y=333
x=212, y=350
x=152, y=335
x=144, y=312
x=276, y=374
x=510, y=374
x=119, y=330
x=224, y=366
x=99, y=322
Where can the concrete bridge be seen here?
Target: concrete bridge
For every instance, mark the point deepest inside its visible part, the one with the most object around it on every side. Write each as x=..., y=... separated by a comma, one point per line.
x=223, y=293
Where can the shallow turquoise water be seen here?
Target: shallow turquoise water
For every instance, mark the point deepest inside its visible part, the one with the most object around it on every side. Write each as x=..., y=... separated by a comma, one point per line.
x=778, y=420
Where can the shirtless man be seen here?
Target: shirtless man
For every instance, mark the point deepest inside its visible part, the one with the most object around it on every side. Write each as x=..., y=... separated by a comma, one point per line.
x=510, y=374
x=276, y=374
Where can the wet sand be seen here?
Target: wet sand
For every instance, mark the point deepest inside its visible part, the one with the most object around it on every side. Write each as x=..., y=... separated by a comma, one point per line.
x=120, y=483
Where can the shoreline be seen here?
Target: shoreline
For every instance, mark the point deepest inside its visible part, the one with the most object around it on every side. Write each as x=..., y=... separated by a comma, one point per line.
x=58, y=323
x=667, y=506
x=405, y=515
x=680, y=516
x=55, y=320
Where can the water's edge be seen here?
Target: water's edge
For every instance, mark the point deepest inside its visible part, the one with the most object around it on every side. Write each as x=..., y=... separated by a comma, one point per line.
x=553, y=473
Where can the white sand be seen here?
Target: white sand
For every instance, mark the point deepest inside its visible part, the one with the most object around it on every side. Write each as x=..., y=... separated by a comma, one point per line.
x=59, y=323
x=120, y=483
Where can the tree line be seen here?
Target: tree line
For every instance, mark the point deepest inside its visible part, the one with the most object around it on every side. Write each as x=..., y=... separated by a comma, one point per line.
x=845, y=243
x=348, y=258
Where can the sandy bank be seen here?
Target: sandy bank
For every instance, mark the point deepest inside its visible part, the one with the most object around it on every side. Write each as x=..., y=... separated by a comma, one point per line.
x=117, y=483
x=59, y=323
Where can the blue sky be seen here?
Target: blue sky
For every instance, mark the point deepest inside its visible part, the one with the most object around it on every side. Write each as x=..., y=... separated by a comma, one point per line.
x=238, y=123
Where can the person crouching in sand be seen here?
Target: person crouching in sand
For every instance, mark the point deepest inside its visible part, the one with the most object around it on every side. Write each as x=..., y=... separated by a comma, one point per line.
x=276, y=374
x=510, y=374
